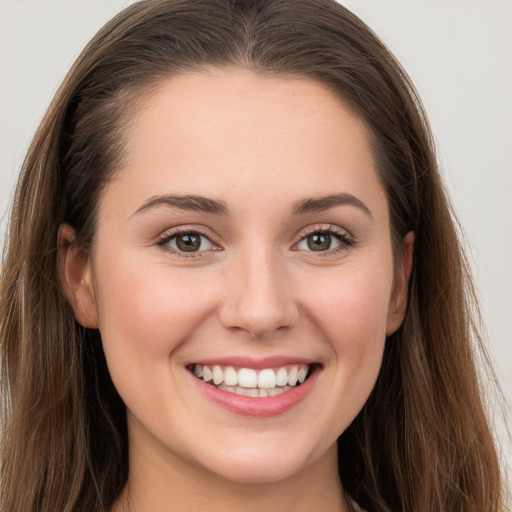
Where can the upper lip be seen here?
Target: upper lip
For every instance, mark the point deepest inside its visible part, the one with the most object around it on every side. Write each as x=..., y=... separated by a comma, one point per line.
x=254, y=363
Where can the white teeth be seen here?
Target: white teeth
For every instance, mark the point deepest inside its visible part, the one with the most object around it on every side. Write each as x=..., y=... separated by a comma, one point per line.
x=207, y=373
x=267, y=379
x=281, y=377
x=247, y=378
x=252, y=392
x=292, y=375
x=230, y=376
x=274, y=391
x=250, y=382
x=218, y=375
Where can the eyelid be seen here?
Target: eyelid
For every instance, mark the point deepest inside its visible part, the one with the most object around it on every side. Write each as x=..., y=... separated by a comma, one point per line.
x=345, y=238
x=166, y=236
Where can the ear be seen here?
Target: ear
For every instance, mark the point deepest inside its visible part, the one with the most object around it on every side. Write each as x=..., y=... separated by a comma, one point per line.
x=76, y=278
x=398, y=302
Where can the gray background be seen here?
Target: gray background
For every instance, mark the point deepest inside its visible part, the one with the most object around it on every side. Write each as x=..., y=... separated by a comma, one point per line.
x=459, y=55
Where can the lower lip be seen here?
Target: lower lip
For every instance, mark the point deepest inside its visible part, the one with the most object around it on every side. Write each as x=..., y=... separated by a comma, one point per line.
x=260, y=407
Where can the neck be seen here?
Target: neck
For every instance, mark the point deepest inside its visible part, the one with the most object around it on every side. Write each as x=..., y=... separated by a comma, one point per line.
x=157, y=484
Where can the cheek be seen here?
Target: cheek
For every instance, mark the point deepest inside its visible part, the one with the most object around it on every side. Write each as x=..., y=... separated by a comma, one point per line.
x=351, y=306
x=350, y=310
x=346, y=310
x=146, y=311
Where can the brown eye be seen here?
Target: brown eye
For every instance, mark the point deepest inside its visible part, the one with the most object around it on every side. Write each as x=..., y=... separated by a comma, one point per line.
x=322, y=241
x=319, y=241
x=189, y=242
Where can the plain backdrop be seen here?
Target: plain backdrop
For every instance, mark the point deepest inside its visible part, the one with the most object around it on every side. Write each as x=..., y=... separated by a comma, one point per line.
x=459, y=55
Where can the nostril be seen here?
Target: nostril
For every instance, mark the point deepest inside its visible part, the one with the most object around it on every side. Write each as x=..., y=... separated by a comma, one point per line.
x=259, y=321
x=257, y=296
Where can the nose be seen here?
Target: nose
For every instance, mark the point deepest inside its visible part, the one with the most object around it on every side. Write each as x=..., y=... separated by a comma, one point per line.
x=258, y=296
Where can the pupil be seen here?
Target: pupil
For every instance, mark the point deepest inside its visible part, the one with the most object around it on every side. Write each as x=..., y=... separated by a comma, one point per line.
x=189, y=242
x=319, y=242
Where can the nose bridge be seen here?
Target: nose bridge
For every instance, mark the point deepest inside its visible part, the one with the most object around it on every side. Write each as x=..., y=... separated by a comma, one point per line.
x=258, y=296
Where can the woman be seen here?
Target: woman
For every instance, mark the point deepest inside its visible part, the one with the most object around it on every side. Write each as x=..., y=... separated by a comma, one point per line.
x=233, y=278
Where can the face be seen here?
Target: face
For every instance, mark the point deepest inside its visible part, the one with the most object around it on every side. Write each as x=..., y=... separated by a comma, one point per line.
x=245, y=242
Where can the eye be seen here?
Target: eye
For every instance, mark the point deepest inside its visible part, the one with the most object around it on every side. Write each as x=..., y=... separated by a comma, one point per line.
x=324, y=240
x=187, y=242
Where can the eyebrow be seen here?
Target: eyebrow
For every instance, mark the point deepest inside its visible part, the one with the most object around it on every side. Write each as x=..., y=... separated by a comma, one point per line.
x=206, y=205
x=184, y=202
x=315, y=204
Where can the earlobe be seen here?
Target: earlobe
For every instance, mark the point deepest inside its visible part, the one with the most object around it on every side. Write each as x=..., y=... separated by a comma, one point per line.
x=76, y=278
x=398, y=303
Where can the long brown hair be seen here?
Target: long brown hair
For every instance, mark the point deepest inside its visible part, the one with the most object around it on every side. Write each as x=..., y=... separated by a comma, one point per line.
x=422, y=441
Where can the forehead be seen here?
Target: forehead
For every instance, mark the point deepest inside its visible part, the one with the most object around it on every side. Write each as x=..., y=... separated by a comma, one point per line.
x=229, y=133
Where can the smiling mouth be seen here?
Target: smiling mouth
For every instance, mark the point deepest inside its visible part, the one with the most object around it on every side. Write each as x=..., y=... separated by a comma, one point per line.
x=263, y=383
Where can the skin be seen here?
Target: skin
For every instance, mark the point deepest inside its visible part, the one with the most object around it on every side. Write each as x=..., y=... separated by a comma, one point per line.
x=259, y=145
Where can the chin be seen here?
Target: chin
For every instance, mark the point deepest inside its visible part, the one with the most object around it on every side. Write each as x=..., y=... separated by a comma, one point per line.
x=257, y=464
x=259, y=471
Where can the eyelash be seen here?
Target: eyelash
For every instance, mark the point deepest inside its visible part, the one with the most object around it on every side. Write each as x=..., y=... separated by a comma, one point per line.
x=170, y=235
x=345, y=241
